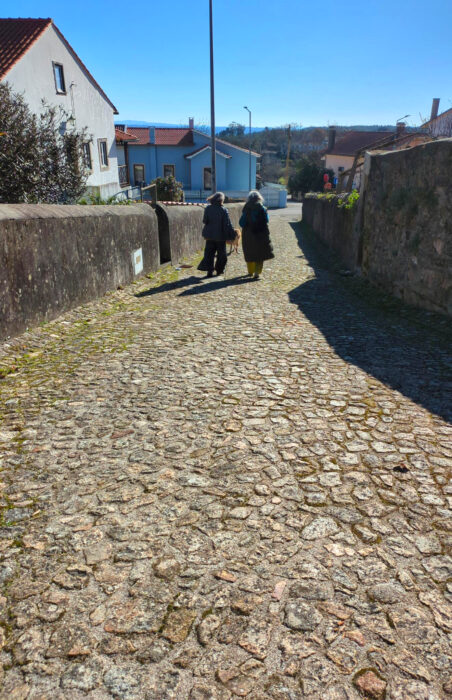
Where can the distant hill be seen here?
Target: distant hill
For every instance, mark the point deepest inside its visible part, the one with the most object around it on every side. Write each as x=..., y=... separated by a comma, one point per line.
x=165, y=125
x=258, y=129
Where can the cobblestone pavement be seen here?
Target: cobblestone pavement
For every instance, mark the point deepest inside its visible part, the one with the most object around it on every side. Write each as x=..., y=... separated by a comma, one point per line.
x=226, y=489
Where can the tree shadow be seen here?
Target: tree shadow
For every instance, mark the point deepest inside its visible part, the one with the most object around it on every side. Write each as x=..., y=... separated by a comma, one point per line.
x=168, y=286
x=215, y=285
x=405, y=348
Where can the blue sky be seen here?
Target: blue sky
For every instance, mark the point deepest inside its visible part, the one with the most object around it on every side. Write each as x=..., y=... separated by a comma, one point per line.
x=290, y=61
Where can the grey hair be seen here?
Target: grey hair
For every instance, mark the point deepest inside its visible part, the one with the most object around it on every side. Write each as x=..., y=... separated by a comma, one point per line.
x=217, y=198
x=255, y=196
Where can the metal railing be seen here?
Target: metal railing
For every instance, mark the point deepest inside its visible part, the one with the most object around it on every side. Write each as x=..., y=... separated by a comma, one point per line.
x=201, y=195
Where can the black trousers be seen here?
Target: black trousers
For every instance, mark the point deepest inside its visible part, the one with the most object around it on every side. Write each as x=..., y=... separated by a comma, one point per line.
x=212, y=247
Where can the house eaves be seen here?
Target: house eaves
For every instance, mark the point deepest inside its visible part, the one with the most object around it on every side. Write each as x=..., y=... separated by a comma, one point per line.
x=226, y=143
x=189, y=156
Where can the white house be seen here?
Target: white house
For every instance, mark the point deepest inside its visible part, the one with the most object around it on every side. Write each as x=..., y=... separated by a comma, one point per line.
x=439, y=125
x=36, y=60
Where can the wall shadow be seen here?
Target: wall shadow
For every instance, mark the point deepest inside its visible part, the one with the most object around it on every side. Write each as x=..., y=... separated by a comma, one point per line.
x=405, y=348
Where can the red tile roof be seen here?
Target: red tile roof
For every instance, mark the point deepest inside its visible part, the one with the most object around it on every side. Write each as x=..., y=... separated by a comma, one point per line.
x=18, y=35
x=141, y=133
x=123, y=135
x=173, y=137
x=354, y=141
x=163, y=136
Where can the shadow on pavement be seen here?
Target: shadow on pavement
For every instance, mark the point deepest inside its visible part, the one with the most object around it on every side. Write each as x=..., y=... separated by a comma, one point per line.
x=213, y=286
x=405, y=348
x=168, y=286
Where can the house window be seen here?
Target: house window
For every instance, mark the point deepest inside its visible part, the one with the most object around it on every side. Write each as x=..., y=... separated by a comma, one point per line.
x=169, y=170
x=87, y=155
x=58, y=73
x=138, y=174
x=341, y=169
x=207, y=178
x=103, y=153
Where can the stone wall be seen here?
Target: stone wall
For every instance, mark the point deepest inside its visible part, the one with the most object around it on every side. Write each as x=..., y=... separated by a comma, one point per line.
x=407, y=224
x=334, y=226
x=400, y=233
x=53, y=257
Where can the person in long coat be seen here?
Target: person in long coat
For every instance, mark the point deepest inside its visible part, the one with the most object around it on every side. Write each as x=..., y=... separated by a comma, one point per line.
x=256, y=242
x=217, y=231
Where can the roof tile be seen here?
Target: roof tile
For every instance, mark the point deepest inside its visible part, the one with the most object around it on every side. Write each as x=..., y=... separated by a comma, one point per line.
x=354, y=141
x=16, y=37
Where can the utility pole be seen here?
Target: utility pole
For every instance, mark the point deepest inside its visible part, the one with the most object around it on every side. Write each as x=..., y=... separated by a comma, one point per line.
x=212, y=107
x=288, y=156
x=249, y=179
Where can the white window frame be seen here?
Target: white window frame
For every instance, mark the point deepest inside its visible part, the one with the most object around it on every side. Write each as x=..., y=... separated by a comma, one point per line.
x=87, y=145
x=169, y=165
x=57, y=67
x=99, y=146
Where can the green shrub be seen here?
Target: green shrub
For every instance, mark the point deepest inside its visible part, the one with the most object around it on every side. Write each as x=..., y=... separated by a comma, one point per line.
x=168, y=189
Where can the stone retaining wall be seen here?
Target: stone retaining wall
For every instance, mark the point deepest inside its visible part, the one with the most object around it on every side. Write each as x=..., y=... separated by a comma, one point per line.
x=54, y=257
x=334, y=225
x=400, y=234
x=407, y=224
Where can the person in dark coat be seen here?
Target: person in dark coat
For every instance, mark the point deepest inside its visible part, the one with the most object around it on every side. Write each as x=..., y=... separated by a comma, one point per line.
x=217, y=231
x=256, y=242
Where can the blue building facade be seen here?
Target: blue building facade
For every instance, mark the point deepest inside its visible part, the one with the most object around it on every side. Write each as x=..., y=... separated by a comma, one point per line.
x=186, y=154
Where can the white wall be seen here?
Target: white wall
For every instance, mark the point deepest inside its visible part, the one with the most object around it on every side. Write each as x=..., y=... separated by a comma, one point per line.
x=33, y=75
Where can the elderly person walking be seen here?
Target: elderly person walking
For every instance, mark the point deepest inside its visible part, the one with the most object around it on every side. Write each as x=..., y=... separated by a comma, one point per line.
x=256, y=242
x=217, y=231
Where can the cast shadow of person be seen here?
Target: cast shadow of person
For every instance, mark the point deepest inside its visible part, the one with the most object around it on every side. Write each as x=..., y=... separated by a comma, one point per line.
x=215, y=285
x=169, y=286
x=407, y=349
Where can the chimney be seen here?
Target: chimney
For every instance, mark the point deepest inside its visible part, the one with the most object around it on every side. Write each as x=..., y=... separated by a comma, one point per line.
x=400, y=129
x=435, y=108
x=191, y=123
x=331, y=138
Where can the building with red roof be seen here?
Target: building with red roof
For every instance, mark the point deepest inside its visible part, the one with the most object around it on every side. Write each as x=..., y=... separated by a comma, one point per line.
x=38, y=61
x=185, y=153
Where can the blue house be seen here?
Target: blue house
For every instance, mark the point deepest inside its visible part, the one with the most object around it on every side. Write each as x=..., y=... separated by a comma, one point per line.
x=150, y=152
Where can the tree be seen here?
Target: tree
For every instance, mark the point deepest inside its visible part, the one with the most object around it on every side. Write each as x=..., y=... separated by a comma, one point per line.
x=234, y=129
x=308, y=176
x=41, y=160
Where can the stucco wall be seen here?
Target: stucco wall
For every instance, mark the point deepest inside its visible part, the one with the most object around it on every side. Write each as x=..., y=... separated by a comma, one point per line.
x=55, y=257
x=180, y=229
x=407, y=224
x=33, y=75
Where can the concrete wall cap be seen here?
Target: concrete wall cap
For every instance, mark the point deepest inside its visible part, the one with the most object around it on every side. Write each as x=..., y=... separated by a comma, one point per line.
x=63, y=211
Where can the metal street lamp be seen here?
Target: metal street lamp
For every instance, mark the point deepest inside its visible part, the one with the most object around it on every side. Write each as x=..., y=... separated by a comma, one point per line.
x=249, y=180
x=213, y=173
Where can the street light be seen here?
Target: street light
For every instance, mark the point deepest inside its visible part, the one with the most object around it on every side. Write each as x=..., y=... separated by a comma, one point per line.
x=249, y=180
x=213, y=174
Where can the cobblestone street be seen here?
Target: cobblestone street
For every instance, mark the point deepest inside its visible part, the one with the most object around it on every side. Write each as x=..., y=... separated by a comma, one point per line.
x=227, y=488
